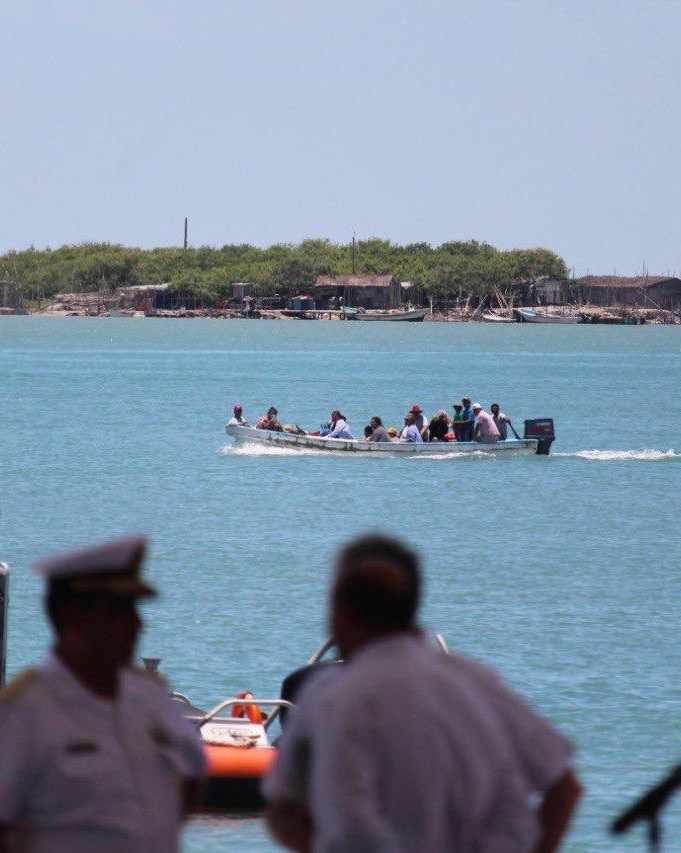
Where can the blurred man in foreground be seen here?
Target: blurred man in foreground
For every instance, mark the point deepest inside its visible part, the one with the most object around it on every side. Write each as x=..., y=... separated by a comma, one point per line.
x=405, y=748
x=94, y=755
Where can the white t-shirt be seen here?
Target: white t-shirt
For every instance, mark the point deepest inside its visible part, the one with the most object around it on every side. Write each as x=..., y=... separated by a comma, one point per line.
x=81, y=774
x=407, y=749
x=340, y=430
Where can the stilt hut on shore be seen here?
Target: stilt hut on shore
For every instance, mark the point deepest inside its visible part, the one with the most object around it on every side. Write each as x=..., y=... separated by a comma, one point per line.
x=358, y=291
x=650, y=291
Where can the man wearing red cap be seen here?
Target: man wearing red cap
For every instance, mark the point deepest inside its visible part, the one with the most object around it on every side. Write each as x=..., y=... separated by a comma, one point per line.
x=94, y=755
x=420, y=421
x=238, y=419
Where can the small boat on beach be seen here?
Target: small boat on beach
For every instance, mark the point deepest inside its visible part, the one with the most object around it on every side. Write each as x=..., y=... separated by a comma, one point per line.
x=417, y=315
x=495, y=318
x=538, y=437
x=532, y=315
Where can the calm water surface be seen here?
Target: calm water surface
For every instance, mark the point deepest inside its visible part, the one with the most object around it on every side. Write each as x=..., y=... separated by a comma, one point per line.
x=563, y=572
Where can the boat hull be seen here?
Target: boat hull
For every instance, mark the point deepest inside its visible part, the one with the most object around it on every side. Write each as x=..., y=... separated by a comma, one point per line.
x=250, y=435
x=234, y=777
x=529, y=315
x=416, y=316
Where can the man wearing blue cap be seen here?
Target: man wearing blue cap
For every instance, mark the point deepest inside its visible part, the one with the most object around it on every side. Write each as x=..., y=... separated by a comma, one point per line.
x=94, y=755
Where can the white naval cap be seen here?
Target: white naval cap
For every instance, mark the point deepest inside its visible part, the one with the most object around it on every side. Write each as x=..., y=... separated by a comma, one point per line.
x=476, y=406
x=112, y=568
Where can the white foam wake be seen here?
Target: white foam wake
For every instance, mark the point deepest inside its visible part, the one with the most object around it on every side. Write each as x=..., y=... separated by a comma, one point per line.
x=646, y=455
x=471, y=454
x=265, y=450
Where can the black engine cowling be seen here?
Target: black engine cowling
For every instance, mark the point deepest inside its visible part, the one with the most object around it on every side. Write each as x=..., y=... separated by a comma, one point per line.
x=541, y=429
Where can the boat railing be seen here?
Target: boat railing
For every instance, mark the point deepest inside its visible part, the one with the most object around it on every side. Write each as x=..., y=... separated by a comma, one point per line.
x=228, y=703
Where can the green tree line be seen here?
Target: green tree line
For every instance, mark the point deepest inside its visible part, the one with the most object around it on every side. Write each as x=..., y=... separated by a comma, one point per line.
x=206, y=273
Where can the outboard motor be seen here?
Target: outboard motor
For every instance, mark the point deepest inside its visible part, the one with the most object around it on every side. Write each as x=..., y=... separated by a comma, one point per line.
x=541, y=429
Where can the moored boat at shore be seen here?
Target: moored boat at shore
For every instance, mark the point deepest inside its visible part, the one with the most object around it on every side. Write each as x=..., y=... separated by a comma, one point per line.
x=538, y=438
x=531, y=315
x=416, y=315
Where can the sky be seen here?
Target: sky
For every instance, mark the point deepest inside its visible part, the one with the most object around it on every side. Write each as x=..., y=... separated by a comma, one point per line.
x=518, y=123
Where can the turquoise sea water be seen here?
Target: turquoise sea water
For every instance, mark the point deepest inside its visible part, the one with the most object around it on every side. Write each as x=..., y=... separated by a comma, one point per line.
x=562, y=572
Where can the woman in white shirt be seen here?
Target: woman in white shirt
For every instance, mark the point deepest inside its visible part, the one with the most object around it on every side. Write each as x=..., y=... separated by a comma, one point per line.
x=339, y=426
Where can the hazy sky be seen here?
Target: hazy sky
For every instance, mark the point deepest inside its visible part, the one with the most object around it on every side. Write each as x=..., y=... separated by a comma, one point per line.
x=519, y=123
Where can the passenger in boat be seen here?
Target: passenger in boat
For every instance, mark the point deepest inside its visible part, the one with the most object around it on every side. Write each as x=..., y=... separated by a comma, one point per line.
x=465, y=431
x=378, y=431
x=501, y=421
x=457, y=420
x=392, y=434
x=238, y=419
x=485, y=430
x=368, y=429
x=438, y=429
x=269, y=421
x=94, y=754
x=410, y=432
x=420, y=420
x=339, y=426
x=404, y=747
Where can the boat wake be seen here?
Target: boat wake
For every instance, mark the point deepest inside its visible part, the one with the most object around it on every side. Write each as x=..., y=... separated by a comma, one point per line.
x=647, y=455
x=473, y=454
x=273, y=450
x=266, y=450
x=644, y=455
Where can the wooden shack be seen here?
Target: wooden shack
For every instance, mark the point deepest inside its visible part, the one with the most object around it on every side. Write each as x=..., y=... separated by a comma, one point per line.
x=358, y=291
x=10, y=298
x=144, y=297
x=650, y=291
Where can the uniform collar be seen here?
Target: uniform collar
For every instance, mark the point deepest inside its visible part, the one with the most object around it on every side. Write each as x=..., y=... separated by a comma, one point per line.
x=71, y=690
x=383, y=645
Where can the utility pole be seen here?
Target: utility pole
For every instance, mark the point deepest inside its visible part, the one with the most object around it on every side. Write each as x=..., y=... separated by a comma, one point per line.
x=185, y=232
x=4, y=619
x=353, y=252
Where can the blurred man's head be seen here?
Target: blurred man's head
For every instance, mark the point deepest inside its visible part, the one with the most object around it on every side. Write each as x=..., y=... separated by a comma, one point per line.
x=91, y=601
x=375, y=592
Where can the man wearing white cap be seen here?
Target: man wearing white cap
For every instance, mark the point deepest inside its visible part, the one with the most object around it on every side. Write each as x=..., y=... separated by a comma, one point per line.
x=485, y=430
x=94, y=755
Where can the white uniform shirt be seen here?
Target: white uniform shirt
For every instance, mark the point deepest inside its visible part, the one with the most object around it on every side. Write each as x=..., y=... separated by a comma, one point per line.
x=83, y=774
x=407, y=749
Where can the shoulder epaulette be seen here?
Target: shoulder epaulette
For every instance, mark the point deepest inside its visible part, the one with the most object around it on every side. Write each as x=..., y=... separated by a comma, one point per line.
x=17, y=685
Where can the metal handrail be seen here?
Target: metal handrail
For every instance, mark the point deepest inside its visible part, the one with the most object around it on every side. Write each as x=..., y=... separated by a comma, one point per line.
x=226, y=703
x=441, y=643
x=329, y=643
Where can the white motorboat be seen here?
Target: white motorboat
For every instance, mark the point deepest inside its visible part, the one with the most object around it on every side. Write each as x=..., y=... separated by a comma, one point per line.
x=538, y=441
x=416, y=315
x=531, y=315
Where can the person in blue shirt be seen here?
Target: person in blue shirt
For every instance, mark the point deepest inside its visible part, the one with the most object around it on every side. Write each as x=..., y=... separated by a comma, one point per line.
x=410, y=431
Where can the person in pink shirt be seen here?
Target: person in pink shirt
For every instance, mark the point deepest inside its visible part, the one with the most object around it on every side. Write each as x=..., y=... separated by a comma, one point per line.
x=485, y=430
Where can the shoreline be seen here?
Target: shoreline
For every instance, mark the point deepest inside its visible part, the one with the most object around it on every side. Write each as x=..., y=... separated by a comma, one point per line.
x=591, y=315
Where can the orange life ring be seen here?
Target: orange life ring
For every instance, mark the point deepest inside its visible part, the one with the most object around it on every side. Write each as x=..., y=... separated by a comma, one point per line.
x=251, y=711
